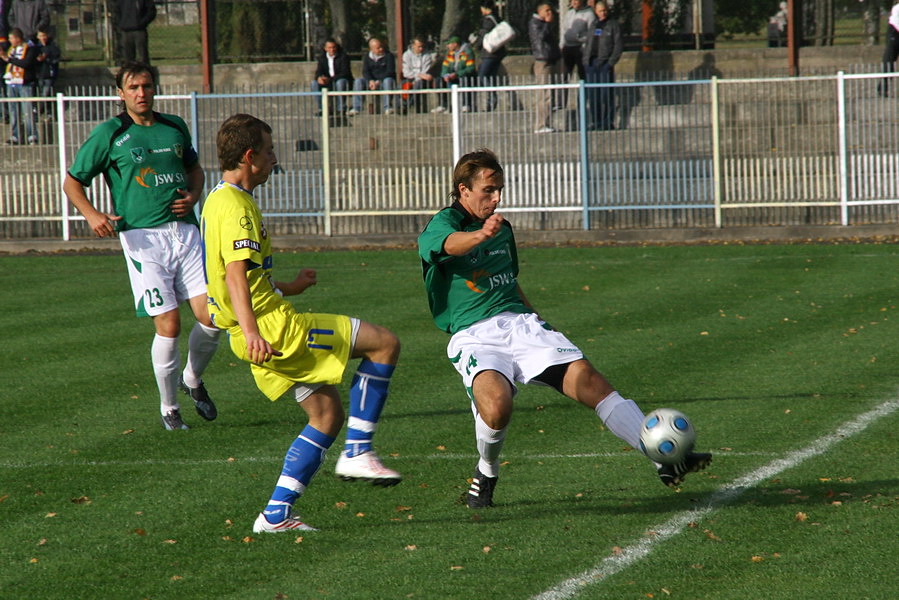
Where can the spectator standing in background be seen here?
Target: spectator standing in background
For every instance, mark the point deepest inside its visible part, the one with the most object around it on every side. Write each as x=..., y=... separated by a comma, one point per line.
x=574, y=27
x=29, y=16
x=601, y=53
x=4, y=46
x=20, y=60
x=777, y=28
x=891, y=50
x=546, y=51
x=133, y=18
x=47, y=67
x=490, y=62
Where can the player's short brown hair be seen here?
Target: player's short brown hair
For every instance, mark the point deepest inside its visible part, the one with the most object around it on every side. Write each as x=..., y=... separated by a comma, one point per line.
x=470, y=165
x=239, y=133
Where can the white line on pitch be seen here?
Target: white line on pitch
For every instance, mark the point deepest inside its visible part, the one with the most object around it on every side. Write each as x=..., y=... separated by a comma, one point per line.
x=639, y=550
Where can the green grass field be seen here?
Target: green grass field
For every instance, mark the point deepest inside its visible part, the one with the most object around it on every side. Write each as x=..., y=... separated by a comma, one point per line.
x=770, y=349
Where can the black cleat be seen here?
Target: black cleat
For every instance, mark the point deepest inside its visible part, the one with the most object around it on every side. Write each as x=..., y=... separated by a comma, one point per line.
x=480, y=492
x=673, y=475
x=203, y=403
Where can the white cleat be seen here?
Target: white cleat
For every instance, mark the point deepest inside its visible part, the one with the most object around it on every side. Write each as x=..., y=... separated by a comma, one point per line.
x=366, y=466
x=289, y=524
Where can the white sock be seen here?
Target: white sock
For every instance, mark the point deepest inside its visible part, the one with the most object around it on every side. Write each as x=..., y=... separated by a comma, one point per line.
x=490, y=444
x=623, y=418
x=166, y=360
x=201, y=347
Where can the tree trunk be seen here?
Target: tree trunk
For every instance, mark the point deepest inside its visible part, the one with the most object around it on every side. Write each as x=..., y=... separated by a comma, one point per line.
x=339, y=22
x=453, y=18
x=872, y=22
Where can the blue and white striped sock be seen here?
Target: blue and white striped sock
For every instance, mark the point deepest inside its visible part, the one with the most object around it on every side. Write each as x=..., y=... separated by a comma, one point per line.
x=367, y=397
x=303, y=459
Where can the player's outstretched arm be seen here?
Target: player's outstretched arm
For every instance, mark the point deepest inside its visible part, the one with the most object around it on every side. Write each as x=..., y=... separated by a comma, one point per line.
x=258, y=349
x=305, y=279
x=461, y=243
x=103, y=224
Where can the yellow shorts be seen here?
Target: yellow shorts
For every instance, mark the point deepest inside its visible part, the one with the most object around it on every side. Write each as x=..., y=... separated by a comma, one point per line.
x=315, y=348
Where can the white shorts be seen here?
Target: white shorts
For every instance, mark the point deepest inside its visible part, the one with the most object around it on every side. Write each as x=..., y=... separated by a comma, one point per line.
x=304, y=390
x=516, y=345
x=165, y=265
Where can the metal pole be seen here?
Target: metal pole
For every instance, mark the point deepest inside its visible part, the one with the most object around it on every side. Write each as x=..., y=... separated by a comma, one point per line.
x=793, y=37
x=844, y=154
x=61, y=141
x=206, y=39
x=716, y=152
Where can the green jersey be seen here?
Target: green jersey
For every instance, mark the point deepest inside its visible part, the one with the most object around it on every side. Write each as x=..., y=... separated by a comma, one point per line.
x=144, y=167
x=463, y=290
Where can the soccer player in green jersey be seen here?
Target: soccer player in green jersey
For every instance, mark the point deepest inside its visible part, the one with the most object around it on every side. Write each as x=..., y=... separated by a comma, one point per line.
x=470, y=267
x=288, y=351
x=155, y=179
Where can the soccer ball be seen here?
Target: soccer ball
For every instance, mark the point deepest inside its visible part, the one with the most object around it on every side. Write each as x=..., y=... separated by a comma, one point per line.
x=667, y=436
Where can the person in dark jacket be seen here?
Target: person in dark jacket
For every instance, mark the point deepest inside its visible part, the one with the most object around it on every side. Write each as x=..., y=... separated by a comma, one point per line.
x=546, y=51
x=490, y=61
x=333, y=71
x=378, y=73
x=601, y=53
x=47, y=67
x=29, y=16
x=133, y=18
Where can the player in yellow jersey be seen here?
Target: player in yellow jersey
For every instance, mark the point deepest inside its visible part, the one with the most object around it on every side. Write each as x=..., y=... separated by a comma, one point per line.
x=303, y=353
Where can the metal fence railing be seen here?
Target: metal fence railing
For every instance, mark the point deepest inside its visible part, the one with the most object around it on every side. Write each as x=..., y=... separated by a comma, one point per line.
x=702, y=153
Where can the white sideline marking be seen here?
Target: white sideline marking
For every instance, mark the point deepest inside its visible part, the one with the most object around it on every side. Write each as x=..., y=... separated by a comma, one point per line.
x=639, y=550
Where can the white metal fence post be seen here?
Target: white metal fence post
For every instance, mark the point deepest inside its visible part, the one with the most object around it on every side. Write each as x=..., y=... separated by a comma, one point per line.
x=716, y=150
x=844, y=155
x=61, y=153
x=326, y=161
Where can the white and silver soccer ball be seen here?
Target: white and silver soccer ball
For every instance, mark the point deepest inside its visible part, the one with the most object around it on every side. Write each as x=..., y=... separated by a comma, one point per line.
x=667, y=436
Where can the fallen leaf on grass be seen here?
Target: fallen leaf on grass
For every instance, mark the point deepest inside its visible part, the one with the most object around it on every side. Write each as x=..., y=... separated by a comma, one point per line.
x=801, y=517
x=340, y=505
x=709, y=534
x=360, y=514
x=299, y=540
x=169, y=541
x=757, y=559
x=411, y=547
x=486, y=549
x=403, y=508
x=4, y=497
x=177, y=577
x=455, y=568
x=140, y=532
x=81, y=500
x=42, y=542
x=33, y=560
x=127, y=432
x=248, y=539
x=49, y=515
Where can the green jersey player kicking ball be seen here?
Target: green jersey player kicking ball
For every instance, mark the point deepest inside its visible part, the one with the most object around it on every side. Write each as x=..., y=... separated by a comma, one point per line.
x=470, y=265
x=155, y=179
